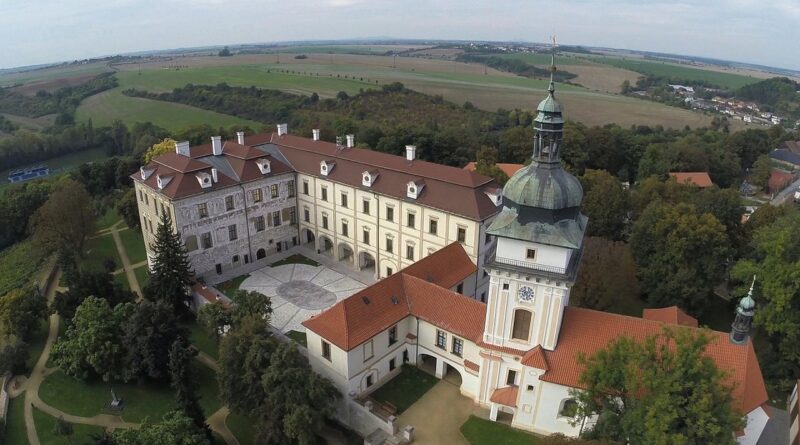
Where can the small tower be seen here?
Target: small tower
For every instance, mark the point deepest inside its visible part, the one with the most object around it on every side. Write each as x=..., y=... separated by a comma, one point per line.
x=744, y=317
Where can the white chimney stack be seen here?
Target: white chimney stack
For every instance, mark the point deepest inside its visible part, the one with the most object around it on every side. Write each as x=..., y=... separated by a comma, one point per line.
x=411, y=152
x=240, y=137
x=315, y=134
x=182, y=148
x=216, y=145
x=214, y=175
x=282, y=129
x=351, y=140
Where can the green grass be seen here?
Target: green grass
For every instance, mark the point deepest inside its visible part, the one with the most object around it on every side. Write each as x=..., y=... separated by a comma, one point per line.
x=18, y=264
x=232, y=285
x=650, y=67
x=122, y=279
x=107, y=219
x=61, y=164
x=298, y=337
x=406, y=388
x=202, y=341
x=36, y=344
x=542, y=59
x=98, y=249
x=15, y=422
x=58, y=72
x=45, y=429
x=207, y=389
x=241, y=427
x=142, y=275
x=295, y=259
x=89, y=399
x=133, y=243
x=479, y=431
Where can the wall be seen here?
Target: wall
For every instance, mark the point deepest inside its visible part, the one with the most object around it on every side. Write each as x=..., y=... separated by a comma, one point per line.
x=550, y=256
x=546, y=415
x=756, y=421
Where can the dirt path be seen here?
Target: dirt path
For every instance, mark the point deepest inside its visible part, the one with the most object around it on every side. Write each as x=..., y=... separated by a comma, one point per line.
x=126, y=262
x=217, y=424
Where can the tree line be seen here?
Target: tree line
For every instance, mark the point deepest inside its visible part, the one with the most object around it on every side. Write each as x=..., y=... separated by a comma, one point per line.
x=516, y=66
x=62, y=100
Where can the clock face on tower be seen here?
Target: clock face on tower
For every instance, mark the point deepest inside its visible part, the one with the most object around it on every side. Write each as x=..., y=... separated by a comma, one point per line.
x=526, y=294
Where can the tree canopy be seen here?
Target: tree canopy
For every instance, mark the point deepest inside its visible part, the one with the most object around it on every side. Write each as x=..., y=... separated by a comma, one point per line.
x=606, y=278
x=606, y=203
x=65, y=220
x=167, y=145
x=174, y=429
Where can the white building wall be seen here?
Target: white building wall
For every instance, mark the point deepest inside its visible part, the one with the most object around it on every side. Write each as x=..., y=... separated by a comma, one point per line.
x=334, y=369
x=546, y=255
x=756, y=422
x=547, y=419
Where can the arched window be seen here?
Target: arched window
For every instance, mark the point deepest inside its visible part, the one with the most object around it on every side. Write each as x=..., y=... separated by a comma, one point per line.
x=568, y=408
x=261, y=253
x=191, y=243
x=521, y=328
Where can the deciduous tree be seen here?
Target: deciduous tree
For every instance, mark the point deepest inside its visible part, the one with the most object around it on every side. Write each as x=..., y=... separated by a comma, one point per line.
x=174, y=429
x=98, y=284
x=148, y=334
x=65, y=220
x=607, y=277
x=21, y=311
x=606, y=203
x=214, y=318
x=165, y=146
x=244, y=355
x=762, y=169
x=250, y=304
x=128, y=209
x=184, y=381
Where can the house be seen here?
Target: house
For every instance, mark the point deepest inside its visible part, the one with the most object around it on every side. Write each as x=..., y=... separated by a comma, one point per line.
x=698, y=179
x=779, y=180
x=517, y=353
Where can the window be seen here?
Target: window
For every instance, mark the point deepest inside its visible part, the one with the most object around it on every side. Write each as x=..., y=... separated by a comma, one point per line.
x=461, y=235
x=392, y=365
x=409, y=252
x=511, y=378
x=520, y=330
x=389, y=271
x=530, y=388
x=326, y=350
x=460, y=288
x=569, y=408
x=389, y=214
x=344, y=200
x=324, y=193
x=368, y=351
x=458, y=346
x=325, y=221
x=205, y=240
x=366, y=236
x=433, y=227
x=235, y=259
x=290, y=188
x=306, y=215
x=392, y=335
x=292, y=216
x=190, y=242
x=365, y=206
x=229, y=203
x=530, y=254
x=202, y=210
x=305, y=188
x=411, y=220
x=276, y=218
x=505, y=286
x=257, y=195
x=260, y=226
x=441, y=339
x=146, y=199
x=273, y=191
x=345, y=231
x=141, y=198
x=369, y=380
x=218, y=268
x=389, y=245
x=232, y=235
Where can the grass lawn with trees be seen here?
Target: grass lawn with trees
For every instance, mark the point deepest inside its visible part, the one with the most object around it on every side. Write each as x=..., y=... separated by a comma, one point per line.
x=36, y=343
x=61, y=164
x=46, y=430
x=19, y=263
x=98, y=249
x=107, y=219
x=406, y=388
x=479, y=431
x=134, y=245
x=241, y=427
x=202, y=341
x=142, y=275
x=15, y=422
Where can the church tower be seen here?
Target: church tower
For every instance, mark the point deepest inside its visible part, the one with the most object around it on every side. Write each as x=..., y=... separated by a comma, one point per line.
x=539, y=242
x=744, y=317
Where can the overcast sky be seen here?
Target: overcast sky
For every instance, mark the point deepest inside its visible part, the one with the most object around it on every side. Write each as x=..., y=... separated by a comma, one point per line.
x=757, y=31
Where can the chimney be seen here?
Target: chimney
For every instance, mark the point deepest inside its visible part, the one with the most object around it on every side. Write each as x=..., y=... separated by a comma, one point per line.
x=216, y=145
x=411, y=152
x=282, y=129
x=240, y=137
x=351, y=140
x=182, y=148
x=214, y=175
x=315, y=134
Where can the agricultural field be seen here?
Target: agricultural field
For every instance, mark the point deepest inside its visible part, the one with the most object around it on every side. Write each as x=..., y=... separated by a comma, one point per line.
x=31, y=123
x=544, y=59
x=59, y=73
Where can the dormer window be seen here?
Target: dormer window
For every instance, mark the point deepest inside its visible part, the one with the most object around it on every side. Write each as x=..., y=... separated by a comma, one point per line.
x=414, y=188
x=204, y=179
x=496, y=195
x=368, y=178
x=264, y=166
x=325, y=167
x=162, y=181
x=145, y=172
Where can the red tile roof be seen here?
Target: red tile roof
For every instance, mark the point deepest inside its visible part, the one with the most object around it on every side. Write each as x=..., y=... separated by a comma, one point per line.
x=505, y=396
x=700, y=179
x=670, y=315
x=472, y=365
x=778, y=180
x=508, y=169
x=585, y=331
x=363, y=315
x=535, y=358
x=446, y=267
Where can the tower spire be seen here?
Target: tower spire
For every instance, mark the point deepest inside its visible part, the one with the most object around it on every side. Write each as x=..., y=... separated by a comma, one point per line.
x=744, y=316
x=552, y=87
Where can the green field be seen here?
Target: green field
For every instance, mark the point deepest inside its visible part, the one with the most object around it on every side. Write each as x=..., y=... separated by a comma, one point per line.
x=62, y=163
x=479, y=431
x=545, y=59
x=648, y=67
x=18, y=264
x=98, y=249
x=134, y=245
x=52, y=73
x=45, y=429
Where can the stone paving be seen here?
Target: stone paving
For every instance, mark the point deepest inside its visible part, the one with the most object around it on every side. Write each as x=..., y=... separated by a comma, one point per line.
x=299, y=291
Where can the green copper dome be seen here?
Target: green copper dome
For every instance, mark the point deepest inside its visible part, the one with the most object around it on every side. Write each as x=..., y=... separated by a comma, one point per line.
x=545, y=186
x=549, y=104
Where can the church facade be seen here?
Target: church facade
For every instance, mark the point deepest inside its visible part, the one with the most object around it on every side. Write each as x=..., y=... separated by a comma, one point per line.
x=516, y=354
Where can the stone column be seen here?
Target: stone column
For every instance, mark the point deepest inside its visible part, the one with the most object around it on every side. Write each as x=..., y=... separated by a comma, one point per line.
x=493, y=413
x=441, y=367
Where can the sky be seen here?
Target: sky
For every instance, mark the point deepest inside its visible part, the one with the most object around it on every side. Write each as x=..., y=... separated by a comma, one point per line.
x=755, y=31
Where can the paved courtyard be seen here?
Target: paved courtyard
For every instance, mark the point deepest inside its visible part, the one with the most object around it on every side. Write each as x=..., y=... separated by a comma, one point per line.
x=299, y=291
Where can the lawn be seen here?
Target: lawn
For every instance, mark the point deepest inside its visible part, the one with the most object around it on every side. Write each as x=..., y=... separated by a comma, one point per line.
x=406, y=388
x=15, y=422
x=207, y=389
x=122, y=279
x=656, y=68
x=133, y=243
x=479, y=431
x=89, y=399
x=241, y=427
x=202, y=341
x=142, y=275
x=295, y=259
x=298, y=337
x=107, y=219
x=19, y=263
x=232, y=285
x=45, y=429
x=99, y=249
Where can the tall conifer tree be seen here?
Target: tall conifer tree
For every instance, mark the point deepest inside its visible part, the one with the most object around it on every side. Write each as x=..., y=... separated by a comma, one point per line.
x=171, y=273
